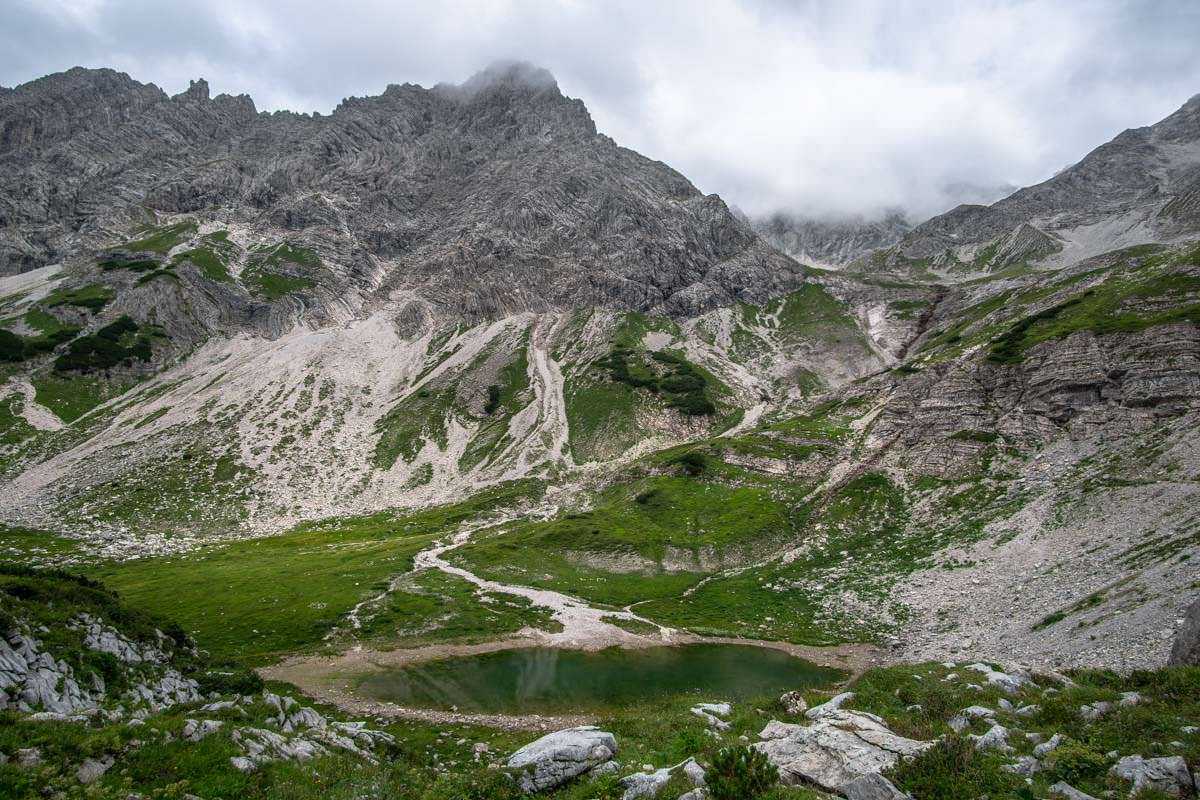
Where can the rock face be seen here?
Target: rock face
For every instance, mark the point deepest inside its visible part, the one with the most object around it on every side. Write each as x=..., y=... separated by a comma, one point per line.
x=838, y=748
x=1143, y=186
x=832, y=242
x=1186, y=650
x=487, y=198
x=32, y=680
x=560, y=756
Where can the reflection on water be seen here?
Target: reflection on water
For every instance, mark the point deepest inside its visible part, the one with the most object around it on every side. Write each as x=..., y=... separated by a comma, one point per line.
x=548, y=679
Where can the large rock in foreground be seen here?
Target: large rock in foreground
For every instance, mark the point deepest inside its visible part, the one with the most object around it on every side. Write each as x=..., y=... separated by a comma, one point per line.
x=557, y=757
x=835, y=750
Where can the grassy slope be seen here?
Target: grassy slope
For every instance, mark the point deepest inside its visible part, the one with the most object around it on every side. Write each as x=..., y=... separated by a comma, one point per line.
x=267, y=596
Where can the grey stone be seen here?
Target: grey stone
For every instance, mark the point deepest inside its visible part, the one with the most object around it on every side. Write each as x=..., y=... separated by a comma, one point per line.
x=640, y=785
x=793, y=703
x=1186, y=649
x=872, y=786
x=828, y=707
x=1070, y=792
x=835, y=749
x=1010, y=683
x=92, y=770
x=1094, y=711
x=996, y=738
x=243, y=764
x=1046, y=748
x=1165, y=774
x=1025, y=766
x=557, y=757
x=28, y=757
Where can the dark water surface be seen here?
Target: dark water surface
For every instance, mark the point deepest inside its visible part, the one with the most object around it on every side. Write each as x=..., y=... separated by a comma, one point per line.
x=537, y=680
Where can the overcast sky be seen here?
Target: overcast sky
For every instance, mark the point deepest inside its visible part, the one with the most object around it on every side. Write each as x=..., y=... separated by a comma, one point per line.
x=819, y=108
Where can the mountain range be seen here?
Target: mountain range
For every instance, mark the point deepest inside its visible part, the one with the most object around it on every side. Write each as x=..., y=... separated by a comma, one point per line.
x=977, y=434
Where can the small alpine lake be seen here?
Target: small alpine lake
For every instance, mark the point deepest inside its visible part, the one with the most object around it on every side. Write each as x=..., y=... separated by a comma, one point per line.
x=553, y=680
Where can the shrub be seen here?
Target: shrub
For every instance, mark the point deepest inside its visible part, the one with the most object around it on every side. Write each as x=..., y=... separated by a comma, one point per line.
x=493, y=400
x=645, y=497
x=740, y=773
x=12, y=347
x=1075, y=762
x=950, y=770
x=694, y=462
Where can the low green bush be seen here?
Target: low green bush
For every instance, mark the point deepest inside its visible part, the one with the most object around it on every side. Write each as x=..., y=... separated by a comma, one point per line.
x=1074, y=762
x=950, y=770
x=740, y=773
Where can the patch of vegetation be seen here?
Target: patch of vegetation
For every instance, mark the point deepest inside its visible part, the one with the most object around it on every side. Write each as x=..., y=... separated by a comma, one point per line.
x=272, y=272
x=274, y=285
x=918, y=701
x=952, y=770
x=681, y=384
x=93, y=297
x=651, y=537
x=405, y=428
x=251, y=599
x=210, y=263
x=197, y=485
x=493, y=399
x=12, y=346
x=432, y=606
x=71, y=396
x=504, y=399
x=1091, y=601
x=1144, y=288
x=120, y=342
x=16, y=348
x=601, y=418
x=161, y=239
x=115, y=262
x=812, y=313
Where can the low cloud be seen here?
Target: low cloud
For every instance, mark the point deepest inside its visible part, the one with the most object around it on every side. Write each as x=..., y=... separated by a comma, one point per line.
x=816, y=108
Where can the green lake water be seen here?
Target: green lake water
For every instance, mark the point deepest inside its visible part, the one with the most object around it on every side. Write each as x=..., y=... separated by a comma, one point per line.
x=541, y=680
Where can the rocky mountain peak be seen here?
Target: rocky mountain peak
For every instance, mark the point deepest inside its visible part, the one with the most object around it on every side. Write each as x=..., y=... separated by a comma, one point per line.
x=37, y=114
x=197, y=90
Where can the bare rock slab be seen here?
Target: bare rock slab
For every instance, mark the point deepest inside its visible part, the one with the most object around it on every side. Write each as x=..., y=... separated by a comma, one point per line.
x=835, y=750
x=558, y=757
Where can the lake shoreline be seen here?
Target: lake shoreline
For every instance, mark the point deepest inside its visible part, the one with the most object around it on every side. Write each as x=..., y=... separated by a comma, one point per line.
x=332, y=678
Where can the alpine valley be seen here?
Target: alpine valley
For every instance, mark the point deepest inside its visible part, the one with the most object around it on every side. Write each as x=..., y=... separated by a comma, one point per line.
x=449, y=372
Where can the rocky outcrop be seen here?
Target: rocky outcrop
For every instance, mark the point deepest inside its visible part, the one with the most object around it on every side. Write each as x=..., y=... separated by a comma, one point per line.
x=836, y=749
x=1186, y=650
x=33, y=680
x=560, y=756
x=831, y=242
x=1169, y=775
